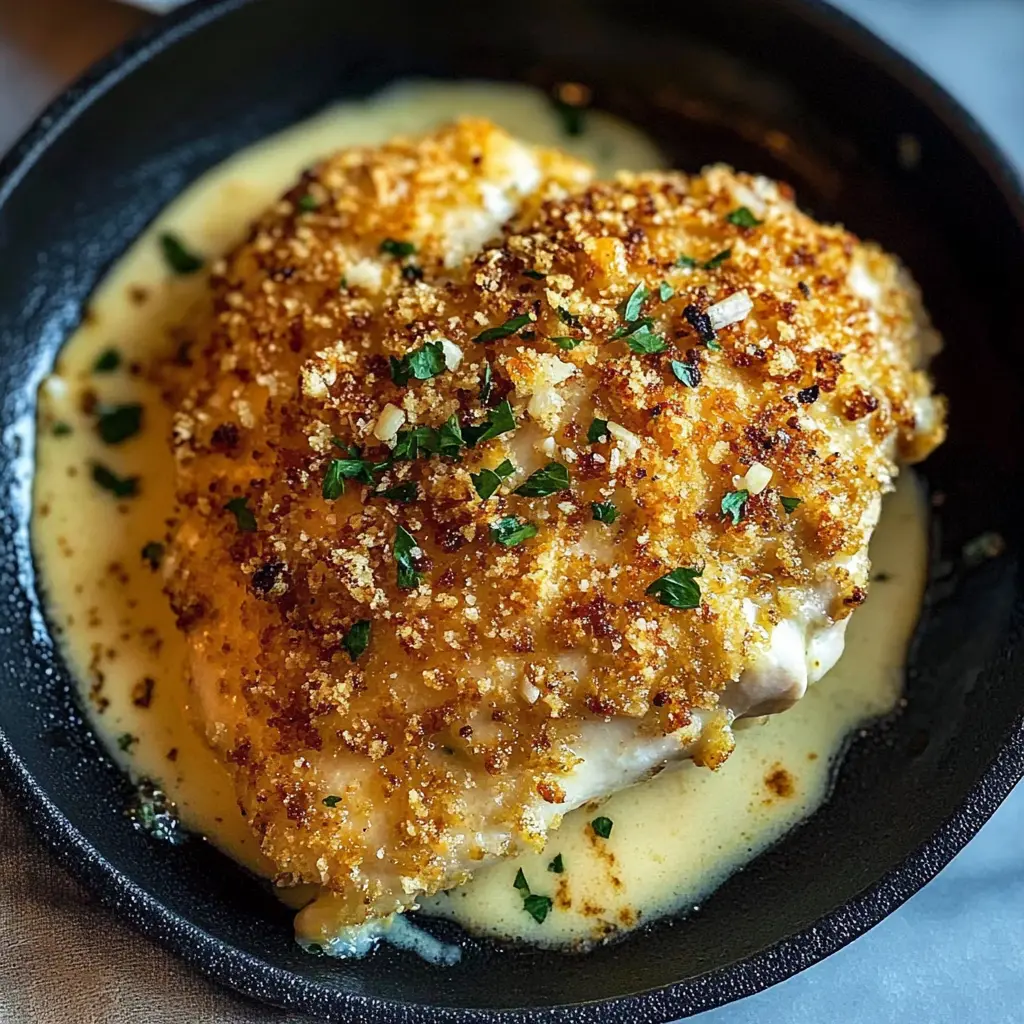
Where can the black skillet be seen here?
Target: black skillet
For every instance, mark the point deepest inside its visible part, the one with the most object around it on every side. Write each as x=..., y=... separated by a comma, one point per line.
x=792, y=89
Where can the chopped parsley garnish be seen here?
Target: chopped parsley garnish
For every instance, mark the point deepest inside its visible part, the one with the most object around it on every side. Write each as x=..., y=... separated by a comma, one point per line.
x=573, y=117
x=334, y=481
x=501, y=421
x=790, y=504
x=538, y=907
x=597, y=431
x=634, y=305
x=717, y=260
x=404, y=492
x=151, y=812
x=449, y=438
x=180, y=259
x=505, y=330
x=734, y=503
x=557, y=866
x=701, y=323
x=686, y=373
x=239, y=507
x=308, y=203
x=119, y=486
x=422, y=363
x=644, y=323
x=107, y=362
x=678, y=588
x=604, y=511
x=512, y=531
x=643, y=342
x=520, y=883
x=665, y=291
x=393, y=247
x=567, y=344
x=602, y=826
x=153, y=552
x=686, y=261
x=126, y=740
x=117, y=423
x=61, y=429
x=487, y=481
x=567, y=318
x=486, y=384
x=743, y=218
x=357, y=639
x=549, y=479
x=536, y=275
x=331, y=801
x=405, y=545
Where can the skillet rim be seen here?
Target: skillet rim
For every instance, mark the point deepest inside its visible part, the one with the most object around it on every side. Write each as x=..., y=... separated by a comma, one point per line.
x=254, y=978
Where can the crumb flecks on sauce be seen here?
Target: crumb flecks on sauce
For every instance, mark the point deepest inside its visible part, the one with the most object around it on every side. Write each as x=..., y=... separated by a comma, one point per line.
x=123, y=611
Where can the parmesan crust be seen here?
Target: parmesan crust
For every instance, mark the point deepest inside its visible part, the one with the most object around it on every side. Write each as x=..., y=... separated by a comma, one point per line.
x=458, y=733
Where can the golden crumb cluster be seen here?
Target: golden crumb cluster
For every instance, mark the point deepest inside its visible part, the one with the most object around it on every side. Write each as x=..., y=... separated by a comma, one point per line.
x=453, y=412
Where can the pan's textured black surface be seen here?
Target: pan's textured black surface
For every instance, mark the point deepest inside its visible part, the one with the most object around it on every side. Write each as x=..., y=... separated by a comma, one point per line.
x=710, y=81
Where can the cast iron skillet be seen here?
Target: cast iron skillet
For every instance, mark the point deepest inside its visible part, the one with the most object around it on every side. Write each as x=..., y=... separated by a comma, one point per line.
x=792, y=89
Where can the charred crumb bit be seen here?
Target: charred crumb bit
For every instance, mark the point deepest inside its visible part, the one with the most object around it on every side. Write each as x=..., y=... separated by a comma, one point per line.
x=142, y=692
x=138, y=294
x=153, y=554
x=225, y=436
x=808, y=396
x=805, y=290
x=856, y=597
x=701, y=323
x=780, y=782
x=268, y=579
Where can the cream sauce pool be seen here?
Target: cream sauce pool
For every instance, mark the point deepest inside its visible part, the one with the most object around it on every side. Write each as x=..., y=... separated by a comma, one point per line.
x=673, y=839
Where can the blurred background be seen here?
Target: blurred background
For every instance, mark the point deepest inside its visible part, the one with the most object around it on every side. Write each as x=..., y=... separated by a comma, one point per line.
x=953, y=953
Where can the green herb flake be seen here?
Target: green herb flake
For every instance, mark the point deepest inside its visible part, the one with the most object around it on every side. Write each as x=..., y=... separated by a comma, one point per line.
x=687, y=262
x=357, y=639
x=505, y=330
x=635, y=303
x=405, y=545
x=743, y=218
x=567, y=344
x=534, y=275
x=597, y=431
x=126, y=740
x=665, y=291
x=520, y=883
x=153, y=553
x=239, y=507
x=512, y=531
x=107, y=362
x=308, y=203
x=678, y=588
x=486, y=384
x=501, y=421
x=644, y=323
x=179, y=258
x=790, y=504
x=117, y=423
x=645, y=343
x=602, y=826
x=119, y=486
x=334, y=481
x=331, y=801
x=421, y=364
x=718, y=259
x=538, y=907
x=450, y=441
x=550, y=479
x=685, y=373
x=573, y=118
x=604, y=511
x=396, y=248
x=403, y=493
x=557, y=866
x=61, y=429
x=734, y=503
x=487, y=481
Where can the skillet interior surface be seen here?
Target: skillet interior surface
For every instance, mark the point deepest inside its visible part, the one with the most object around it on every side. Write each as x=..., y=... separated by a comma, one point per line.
x=791, y=90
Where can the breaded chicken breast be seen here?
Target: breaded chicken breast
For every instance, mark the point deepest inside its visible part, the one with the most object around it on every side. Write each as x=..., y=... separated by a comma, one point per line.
x=499, y=488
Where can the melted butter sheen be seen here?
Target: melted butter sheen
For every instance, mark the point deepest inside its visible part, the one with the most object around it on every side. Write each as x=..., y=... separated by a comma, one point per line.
x=673, y=839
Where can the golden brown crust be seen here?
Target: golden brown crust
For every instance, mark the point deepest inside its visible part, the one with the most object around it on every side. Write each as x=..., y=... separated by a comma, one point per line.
x=476, y=683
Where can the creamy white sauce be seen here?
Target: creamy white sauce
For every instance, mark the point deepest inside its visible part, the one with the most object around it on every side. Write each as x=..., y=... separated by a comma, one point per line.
x=674, y=839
